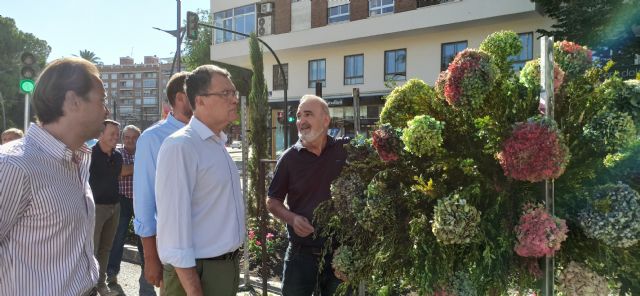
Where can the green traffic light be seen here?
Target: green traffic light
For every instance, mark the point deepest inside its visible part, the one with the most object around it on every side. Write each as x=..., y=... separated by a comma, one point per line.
x=291, y=119
x=27, y=85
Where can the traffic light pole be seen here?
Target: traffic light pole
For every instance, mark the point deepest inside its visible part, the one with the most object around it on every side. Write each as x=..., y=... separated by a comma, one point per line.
x=284, y=78
x=27, y=97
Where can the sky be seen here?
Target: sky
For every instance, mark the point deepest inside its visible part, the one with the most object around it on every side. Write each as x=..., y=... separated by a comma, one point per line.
x=110, y=28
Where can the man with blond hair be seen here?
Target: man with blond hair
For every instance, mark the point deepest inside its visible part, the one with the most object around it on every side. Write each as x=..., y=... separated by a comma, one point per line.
x=10, y=135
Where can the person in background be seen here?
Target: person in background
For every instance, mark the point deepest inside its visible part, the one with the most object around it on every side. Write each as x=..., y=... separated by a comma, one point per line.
x=144, y=175
x=10, y=135
x=47, y=212
x=106, y=166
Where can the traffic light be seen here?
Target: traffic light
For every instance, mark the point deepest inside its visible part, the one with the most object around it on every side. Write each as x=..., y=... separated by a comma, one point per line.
x=28, y=72
x=291, y=114
x=192, y=25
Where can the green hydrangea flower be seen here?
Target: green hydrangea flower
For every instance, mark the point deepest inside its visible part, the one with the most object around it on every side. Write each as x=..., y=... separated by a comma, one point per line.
x=423, y=135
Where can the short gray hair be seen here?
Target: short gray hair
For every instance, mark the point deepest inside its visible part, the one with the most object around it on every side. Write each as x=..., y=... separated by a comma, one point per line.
x=323, y=103
x=131, y=127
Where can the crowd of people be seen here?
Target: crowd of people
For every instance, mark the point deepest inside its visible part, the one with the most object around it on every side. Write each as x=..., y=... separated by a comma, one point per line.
x=65, y=207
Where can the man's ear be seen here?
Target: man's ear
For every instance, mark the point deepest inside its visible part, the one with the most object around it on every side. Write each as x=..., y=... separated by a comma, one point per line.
x=71, y=101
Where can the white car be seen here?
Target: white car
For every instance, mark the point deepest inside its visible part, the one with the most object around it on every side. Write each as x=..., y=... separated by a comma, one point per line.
x=236, y=144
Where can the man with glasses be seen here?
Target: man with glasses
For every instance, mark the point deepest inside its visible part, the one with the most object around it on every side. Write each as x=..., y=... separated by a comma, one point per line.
x=46, y=207
x=201, y=221
x=106, y=166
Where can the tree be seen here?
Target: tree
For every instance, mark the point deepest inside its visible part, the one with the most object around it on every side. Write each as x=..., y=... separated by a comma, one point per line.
x=258, y=116
x=13, y=43
x=89, y=56
x=598, y=24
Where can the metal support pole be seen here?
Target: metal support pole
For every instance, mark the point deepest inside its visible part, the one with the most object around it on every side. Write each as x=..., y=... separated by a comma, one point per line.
x=178, y=39
x=547, y=99
x=4, y=114
x=245, y=177
x=26, y=111
x=356, y=110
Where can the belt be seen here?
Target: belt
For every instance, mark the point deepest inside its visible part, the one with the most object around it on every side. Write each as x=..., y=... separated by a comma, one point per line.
x=317, y=251
x=227, y=256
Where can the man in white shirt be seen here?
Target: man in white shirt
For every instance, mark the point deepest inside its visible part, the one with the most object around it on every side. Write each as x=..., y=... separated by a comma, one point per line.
x=201, y=222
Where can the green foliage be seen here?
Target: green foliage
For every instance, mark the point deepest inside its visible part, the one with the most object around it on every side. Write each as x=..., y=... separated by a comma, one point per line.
x=610, y=131
x=405, y=102
x=423, y=135
x=387, y=214
x=258, y=115
x=501, y=45
x=13, y=43
x=623, y=95
x=89, y=56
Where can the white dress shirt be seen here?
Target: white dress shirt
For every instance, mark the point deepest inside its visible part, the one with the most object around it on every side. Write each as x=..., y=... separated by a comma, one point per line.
x=200, y=205
x=47, y=216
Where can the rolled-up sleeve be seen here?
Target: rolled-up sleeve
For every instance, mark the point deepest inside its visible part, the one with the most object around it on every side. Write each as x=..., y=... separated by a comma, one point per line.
x=175, y=181
x=144, y=176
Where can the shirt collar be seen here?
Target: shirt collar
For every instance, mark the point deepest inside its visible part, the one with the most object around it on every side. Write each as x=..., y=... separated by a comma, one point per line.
x=174, y=122
x=298, y=145
x=52, y=146
x=205, y=132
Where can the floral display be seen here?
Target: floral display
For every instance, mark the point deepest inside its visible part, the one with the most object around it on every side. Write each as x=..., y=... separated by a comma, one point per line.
x=609, y=131
x=578, y=280
x=539, y=233
x=572, y=58
x=471, y=75
x=534, y=152
x=455, y=221
x=405, y=102
x=423, y=135
x=530, y=76
x=386, y=141
x=446, y=211
x=612, y=215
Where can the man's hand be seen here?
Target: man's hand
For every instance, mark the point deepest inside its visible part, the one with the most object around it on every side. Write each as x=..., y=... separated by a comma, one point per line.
x=152, y=264
x=301, y=226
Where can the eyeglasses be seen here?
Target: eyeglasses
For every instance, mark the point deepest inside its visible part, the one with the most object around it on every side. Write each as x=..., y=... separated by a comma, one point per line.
x=227, y=94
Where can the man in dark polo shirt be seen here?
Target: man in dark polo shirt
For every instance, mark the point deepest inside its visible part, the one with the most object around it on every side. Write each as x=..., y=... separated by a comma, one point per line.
x=106, y=165
x=303, y=176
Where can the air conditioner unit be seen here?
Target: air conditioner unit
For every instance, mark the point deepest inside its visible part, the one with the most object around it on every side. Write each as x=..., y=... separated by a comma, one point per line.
x=266, y=8
x=264, y=25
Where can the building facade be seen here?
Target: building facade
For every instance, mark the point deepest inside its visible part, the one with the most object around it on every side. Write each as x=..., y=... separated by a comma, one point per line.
x=136, y=92
x=370, y=45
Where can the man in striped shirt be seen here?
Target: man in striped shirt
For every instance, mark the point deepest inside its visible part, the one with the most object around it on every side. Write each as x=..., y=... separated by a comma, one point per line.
x=47, y=213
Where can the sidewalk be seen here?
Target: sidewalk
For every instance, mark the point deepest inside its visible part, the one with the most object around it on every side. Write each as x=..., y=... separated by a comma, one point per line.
x=130, y=254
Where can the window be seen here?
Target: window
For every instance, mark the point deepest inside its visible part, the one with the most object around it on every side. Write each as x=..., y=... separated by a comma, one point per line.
x=126, y=75
x=395, y=64
x=126, y=84
x=317, y=72
x=104, y=76
x=150, y=74
x=241, y=19
x=244, y=20
x=278, y=83
x=354, y=69
x=377, y=7
x=526, y=53
x=338, y=14
x=149, y=101
x=114, y=75
x=149, y=83
x=138, y=75
x=150, y=91
x=449, y=51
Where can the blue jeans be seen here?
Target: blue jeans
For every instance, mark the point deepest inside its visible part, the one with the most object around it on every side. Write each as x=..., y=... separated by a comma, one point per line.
x=301, y=274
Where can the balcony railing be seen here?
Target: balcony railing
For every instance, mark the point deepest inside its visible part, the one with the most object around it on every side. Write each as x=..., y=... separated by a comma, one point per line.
x=424, y=3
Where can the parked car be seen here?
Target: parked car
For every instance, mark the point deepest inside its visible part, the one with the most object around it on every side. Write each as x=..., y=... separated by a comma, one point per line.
x=236, y=144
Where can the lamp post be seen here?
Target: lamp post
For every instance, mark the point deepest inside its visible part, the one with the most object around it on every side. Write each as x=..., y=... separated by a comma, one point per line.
x=176, y=33
x=284, y=78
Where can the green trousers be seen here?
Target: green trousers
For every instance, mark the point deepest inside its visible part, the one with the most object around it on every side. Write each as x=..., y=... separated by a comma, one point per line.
x=218, y=278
